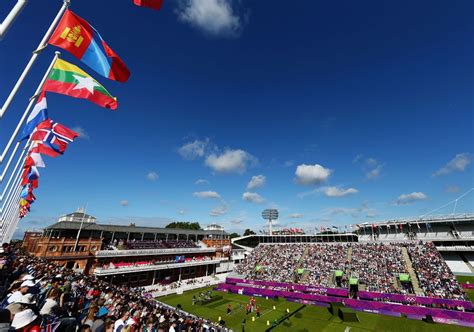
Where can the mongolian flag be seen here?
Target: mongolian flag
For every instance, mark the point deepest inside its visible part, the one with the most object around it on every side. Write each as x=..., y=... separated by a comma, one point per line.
x=78, y=37
x=154, y=4
x=70, y=80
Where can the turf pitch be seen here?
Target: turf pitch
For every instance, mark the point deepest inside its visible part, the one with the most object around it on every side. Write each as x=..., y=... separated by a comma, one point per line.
x=310, y=318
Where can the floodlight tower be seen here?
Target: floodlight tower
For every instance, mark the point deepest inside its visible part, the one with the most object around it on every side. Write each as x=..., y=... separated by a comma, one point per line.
x=270, y=214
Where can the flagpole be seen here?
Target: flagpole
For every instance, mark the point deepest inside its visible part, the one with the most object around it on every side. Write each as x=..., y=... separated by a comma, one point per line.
x=20, y=159
x=9, y=211
x=9, y=162
x=30, y=104
x=13, y=220
x=11, y=17
x=15, y=183
x=43, y=43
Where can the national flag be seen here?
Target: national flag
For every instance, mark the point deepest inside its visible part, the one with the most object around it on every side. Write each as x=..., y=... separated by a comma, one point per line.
x=78, y=37
x=46, y=149
x=34, y=159
x=38, y=115
x=68, y=79
x=64, y=133
x=154, y=4
x=54, y=134
x=25, y=191
x=33, y=173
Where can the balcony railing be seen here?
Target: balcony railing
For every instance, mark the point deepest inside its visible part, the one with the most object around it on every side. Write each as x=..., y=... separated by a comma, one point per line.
x=149, y=252
x=153, y=267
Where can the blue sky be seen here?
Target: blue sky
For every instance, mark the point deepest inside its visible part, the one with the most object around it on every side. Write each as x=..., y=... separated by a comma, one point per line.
x=343, y=111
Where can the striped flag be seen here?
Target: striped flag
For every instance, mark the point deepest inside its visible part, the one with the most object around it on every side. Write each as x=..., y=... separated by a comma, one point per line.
x=38, y=115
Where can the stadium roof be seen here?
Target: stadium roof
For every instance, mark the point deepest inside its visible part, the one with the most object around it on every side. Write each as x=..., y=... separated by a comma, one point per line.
x=465, y=217
x=132, y=228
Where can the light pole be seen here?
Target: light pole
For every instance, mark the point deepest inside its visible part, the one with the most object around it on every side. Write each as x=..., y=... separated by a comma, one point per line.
x=270, y=215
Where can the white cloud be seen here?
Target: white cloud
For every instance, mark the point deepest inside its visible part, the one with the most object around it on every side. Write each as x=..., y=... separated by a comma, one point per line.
x=256, y=181
x=374, y=173
x=371, y=166
x=452, y=189
x=405, y=199
x=152, y=176
x=296, y=216
x=457, y=164
x=230, y=161
x=236, y=221
x=182, y=212
x=357, y=158
x=201, y=181
x=193, y=150
x=207, y=194
x=81, y=132
x=213, y=17
x=311, y=174
x=252, y=197
x=288, y=163
x=338, y=192
x=124, y=202
x=218, y=211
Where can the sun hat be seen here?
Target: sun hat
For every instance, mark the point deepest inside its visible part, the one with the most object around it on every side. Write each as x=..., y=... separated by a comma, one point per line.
x=102, y=312
x=23, y=318
x=27, y=283
x=27, y=299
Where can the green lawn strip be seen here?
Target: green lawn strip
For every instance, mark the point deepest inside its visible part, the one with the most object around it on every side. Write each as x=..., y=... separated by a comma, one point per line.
x=311, y=318
x=465, y=279
x=470, y=293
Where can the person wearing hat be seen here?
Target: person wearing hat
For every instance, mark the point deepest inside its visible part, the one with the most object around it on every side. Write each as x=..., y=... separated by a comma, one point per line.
x=17, y=295
x=99, y=323
x=26, y=321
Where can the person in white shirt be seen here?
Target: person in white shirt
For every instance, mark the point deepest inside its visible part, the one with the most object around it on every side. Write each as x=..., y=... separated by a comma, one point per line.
x=120, y=323
x=51, y=304
x=17, y=295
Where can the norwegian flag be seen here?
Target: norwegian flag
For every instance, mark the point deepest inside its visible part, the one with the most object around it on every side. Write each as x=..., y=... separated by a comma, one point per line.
x=55, y=134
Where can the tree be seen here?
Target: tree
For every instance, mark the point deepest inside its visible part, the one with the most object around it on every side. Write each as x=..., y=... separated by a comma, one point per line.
x=249, y=232
x=234, y=235
x=184, y=225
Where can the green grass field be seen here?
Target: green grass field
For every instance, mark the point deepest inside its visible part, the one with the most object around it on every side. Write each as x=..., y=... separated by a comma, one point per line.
x=311, y=318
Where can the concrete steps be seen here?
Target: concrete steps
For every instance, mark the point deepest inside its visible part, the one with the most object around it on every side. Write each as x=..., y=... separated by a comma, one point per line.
x=469, y=265
x=411, y=272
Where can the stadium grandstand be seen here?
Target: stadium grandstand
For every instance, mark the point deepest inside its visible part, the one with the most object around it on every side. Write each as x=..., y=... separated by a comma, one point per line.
x=130, y=254
x=396, y=267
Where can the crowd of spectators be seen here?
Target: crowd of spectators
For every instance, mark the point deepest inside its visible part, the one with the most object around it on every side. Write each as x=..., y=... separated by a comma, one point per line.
x=160, y=244
x=376, y=266
x=157, y=261
x=40, y=296
x=320, y=261
x=272, y=262
x=434, y=276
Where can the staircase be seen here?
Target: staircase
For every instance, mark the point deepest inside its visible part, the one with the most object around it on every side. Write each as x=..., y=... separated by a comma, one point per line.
x=349, y=255
x=411, y=272
x=304, y=277
x=469, y=265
